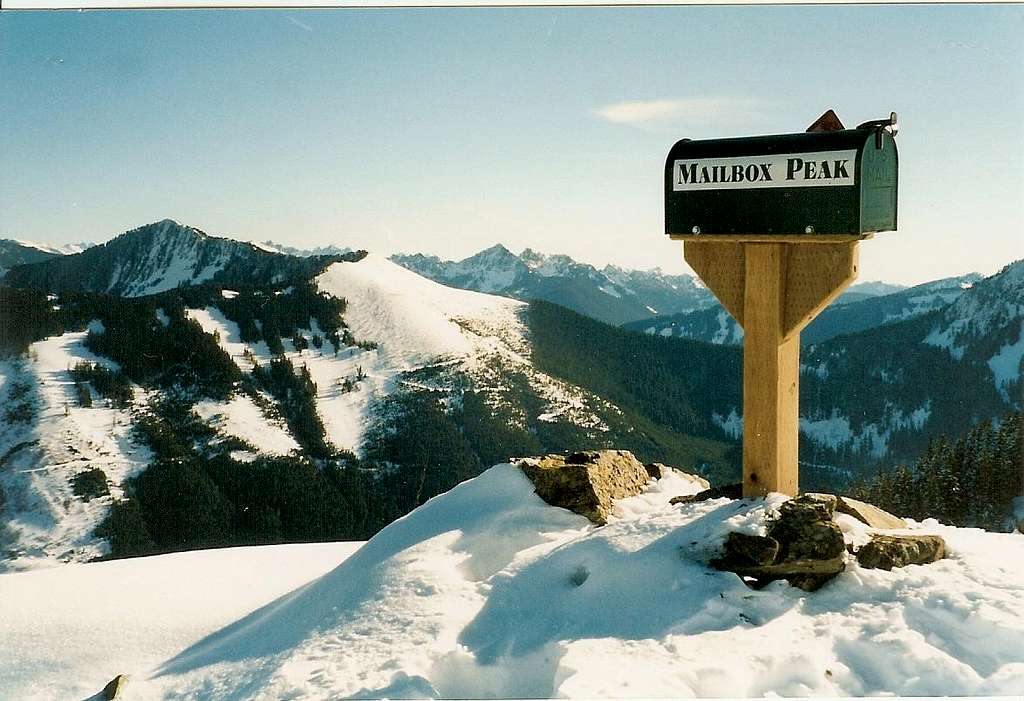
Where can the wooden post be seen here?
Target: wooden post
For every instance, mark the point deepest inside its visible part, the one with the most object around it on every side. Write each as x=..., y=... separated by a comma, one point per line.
x=771, y=376
x=773, y=290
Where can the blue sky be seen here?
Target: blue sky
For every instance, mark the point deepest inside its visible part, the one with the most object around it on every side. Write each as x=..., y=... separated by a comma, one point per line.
x=447, y=130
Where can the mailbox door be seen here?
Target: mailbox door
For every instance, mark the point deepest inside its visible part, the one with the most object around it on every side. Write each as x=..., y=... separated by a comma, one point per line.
x=879, y=169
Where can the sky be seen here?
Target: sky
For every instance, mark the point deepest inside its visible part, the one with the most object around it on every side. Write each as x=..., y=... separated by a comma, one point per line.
x=445, y=131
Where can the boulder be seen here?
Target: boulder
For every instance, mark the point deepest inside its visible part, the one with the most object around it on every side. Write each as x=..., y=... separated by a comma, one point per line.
x=805, y=529
x=728, y=491
x=588, y=482
x=743, y=550
x=658, y=470
x=803, y=545
x=869, y=514
x=887, y=551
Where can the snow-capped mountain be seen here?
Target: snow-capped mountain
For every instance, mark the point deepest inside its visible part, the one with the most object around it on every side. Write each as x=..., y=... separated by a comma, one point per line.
x=14, y=253
x=861, y=307
x=17, y=252
x=304, y=252
x=155, y=258
x=987, y=325
x=610, y=294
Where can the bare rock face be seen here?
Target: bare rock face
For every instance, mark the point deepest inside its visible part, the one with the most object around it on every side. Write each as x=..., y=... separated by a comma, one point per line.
x=869, y=514
x=887, y=551
x=114, y=688
x=803, y=546
x=586, y=482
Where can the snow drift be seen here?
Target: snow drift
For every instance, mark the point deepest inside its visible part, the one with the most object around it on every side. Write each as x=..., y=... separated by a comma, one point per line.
x=488, y=592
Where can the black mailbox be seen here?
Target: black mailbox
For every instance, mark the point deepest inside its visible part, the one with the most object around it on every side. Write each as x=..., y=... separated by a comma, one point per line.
x=812, y=183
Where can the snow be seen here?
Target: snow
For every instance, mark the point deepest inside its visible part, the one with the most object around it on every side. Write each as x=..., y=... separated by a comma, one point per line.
x=487, y=592
x=66, y=249
x=68, y=631
x=44, y=522
x=731, y=424
x=727, y=328
x=213, y=320
x=1005, y=364
x=416, y=322
x=835, y=429
x=241, y=418
x=609, y=290
x=412, y=318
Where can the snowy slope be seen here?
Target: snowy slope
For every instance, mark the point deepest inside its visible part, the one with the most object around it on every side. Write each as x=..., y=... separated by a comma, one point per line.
x=68, y=631
x=417, y=323
x=991, y=309
x=43, y=522
x=486, y=592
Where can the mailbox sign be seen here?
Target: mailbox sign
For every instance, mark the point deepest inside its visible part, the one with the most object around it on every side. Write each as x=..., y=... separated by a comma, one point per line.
x=813, y=183
x=823, y=168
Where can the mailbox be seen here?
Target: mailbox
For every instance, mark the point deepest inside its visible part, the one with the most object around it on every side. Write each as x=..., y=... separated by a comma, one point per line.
x=808, y=184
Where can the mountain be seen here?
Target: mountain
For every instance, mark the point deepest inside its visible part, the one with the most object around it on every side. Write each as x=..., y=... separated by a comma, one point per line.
x=160, y=257
x=859, y=308
x=14, y=253
x=320, y=409
x=304, y=252
x=612, y=295
x=870, y=400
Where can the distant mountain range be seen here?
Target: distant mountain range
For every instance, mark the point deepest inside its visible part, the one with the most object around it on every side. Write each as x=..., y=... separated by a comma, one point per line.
x=861, y=307
x=611, y=294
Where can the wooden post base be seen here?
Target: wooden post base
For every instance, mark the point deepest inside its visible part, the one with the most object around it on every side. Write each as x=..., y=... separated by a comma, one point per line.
x=773, y=290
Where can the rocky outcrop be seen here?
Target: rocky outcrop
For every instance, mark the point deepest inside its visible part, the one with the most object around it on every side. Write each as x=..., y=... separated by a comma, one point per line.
x=803, y=546
x=869, y=514
x=588, y=482
x=887, y=551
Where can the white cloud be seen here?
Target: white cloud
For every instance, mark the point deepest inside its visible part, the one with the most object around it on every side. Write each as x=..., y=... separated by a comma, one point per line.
x=687, y=110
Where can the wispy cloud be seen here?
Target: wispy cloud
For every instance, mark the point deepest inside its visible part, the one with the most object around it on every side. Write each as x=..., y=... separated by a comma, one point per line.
x=647, y=113
x=298, y=23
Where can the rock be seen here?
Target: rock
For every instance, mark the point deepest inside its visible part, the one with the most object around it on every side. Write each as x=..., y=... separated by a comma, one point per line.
x=114, y=687
x=805, y=529
x=658, y=471
x=586, y=482
x=728, y=491
x=887, y=551
x=742, y=550
x=869, y=514
x=809, y=506
x=808, y=546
